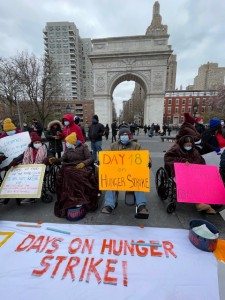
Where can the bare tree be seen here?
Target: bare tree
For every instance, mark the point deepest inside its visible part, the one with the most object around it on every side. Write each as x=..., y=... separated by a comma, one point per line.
x=216, y=105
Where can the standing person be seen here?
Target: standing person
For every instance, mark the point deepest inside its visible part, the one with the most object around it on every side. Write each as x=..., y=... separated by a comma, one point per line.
x=37, y=127
x=169, y=129
x=164, y=129
x=106, y=131
x=77, y=122
x=69, y=127
x=9, y=128
x=54, y=129
x=199, y=125
x=26, y=127
x=114, y=131
x=145, y=129
x=124, y=143
x=188, y=128
x=96, y=131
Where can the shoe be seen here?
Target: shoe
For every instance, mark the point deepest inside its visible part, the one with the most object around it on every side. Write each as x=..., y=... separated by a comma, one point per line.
x=27, y=201
x=210, y=211
x=142, y=210
x=107, y=210
x=202, y=207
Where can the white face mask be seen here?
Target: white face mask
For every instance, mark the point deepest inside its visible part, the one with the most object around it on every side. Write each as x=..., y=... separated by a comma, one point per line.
x=66, y=123
x=37, y=146
x=222, y=123
x=68, y=145
x=11, y=132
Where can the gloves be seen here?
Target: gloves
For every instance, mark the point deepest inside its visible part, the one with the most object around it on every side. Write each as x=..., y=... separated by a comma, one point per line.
x=217, y=150
x=80, y=166
x=52, y=160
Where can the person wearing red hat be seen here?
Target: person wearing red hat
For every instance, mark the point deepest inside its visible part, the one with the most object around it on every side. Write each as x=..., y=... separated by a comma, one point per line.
x=199, y=125
x=188, y=128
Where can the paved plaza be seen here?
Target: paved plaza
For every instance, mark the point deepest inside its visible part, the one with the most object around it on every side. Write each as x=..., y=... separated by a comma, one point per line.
x=123, y=214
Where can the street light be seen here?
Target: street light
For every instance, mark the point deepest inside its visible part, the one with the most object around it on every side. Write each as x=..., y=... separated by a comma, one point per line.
x=195, y=108
x=68, y=109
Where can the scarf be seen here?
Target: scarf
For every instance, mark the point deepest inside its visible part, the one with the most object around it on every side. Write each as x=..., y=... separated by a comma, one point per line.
x=28, y=156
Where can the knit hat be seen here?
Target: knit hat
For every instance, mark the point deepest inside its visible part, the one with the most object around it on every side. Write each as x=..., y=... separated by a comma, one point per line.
x=8, y=125
x=72, y=138
x=199, y=120
x=189, y=119
x=35, y=137
x=95, y=117
x=214, y=122
x=124, y=129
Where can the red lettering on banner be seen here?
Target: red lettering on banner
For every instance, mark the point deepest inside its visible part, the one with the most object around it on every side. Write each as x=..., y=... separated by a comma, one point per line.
x=70, y=266
x=119, y=251
x=45, y=264
x=74, y=250
x=60, y=260
x=92, y=269
x=37, y=244
x=84, y=269
x=106, y=245
x=54, y=244
x=107, y=279
x=88, y=246
x=23, y=247
x=128, y=247
x=125, y=277
x=168, y=246
x=153, y=249
x=143, y=251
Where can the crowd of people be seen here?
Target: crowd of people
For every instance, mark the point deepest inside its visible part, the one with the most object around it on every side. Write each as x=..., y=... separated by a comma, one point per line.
x=76, y=183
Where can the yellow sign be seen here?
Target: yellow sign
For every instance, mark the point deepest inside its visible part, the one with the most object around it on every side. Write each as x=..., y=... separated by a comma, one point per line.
x=124, y=170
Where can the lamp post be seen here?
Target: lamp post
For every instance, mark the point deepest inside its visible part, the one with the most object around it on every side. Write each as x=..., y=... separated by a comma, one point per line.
x=195, y=108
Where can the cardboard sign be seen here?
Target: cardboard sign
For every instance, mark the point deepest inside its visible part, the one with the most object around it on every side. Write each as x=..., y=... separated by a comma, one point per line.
x=199, y=184
x=24, y=181
x=103, y=262
x=124, y=170
x=13, y=146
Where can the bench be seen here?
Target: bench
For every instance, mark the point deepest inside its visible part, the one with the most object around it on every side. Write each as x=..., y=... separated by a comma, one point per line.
x=168, y=138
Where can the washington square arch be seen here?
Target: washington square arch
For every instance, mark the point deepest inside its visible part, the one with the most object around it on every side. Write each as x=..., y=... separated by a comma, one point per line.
x=143, y=59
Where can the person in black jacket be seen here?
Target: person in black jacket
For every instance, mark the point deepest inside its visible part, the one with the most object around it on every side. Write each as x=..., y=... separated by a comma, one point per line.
x=96, y=131
x=55, y=142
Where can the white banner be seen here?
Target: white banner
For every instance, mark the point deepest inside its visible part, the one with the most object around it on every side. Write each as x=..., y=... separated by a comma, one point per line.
x=13, y=146
x=103, y=262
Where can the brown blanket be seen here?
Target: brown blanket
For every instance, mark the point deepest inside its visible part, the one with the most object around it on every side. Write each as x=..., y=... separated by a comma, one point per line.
x=75, y=187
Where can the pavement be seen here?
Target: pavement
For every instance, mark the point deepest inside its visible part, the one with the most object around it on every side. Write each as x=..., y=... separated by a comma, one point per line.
x=123, y=214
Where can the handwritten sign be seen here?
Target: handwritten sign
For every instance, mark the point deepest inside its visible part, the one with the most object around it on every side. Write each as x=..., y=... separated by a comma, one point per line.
x=199, y=184
x=24, y=181
x=13, y=146
x=124, y=171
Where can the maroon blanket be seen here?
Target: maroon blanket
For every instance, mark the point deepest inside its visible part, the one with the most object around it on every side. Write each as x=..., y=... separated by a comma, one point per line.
x=75, y=187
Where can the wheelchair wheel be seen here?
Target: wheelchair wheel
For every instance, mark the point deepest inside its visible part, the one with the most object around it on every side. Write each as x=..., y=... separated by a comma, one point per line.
x=51, y=178
x=46, y=198
x=171, y=207
x=162, y=183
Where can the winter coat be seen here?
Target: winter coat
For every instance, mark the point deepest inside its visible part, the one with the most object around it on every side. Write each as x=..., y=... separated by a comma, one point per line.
x=96, y=131
x=188, y=129
x=200, y=128
x=76, y=186
x=178, y=154
x=55, y=145
x=132, y=145
x=209, y=140
x=67, y=130
x=114, y=128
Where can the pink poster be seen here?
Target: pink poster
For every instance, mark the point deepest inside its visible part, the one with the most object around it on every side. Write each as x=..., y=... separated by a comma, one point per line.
x=199, y=184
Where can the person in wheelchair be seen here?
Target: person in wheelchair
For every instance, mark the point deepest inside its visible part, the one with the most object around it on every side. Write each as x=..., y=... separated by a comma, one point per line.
x=184, y=151
x=124, y=143
x=76, y=184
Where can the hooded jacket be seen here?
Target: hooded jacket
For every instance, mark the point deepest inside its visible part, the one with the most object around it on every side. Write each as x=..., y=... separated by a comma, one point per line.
x=55, y=144
x=188, y=129
x=67, y=130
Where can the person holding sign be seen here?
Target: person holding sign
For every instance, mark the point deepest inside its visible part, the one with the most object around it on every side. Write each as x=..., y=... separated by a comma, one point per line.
x=125, y=143
x=75, y=183
x=184, y=152
x=9, y=128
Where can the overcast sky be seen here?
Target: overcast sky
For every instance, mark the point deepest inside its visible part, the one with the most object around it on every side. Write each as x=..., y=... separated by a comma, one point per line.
x=196, y=28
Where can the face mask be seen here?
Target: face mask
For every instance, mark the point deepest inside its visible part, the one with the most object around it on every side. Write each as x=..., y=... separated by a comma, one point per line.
x=68, y=145
x=124, y=139
x=222, y=123
x=11, y=132
x=201, y=122
x=188, y=148
x=37, y=146
x=66, y=123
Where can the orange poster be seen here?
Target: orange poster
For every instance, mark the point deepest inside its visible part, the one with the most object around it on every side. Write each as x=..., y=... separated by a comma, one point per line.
x=124, y=170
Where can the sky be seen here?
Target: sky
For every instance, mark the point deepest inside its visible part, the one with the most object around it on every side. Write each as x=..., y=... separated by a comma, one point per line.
x=196, y=28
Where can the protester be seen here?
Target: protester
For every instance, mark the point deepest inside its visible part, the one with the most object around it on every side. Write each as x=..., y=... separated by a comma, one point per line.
x=187, y=128
x=9, y=128
x=114, y=131
x=26, y=127
x=54, y=130
x=199, y=125
x=184, y=152
x=124, y=143
x=37, y=127
x=145, y=129
x=106, y=131
x=76, y=183
x=96, y=131
x=77, y=122
x=212, y=137
x=69, y=127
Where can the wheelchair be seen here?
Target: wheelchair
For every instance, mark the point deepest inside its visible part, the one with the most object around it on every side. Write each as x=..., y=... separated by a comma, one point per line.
x=166, y=189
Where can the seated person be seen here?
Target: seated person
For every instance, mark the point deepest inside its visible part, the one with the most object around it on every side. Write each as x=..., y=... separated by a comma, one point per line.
x=9, y=128
x=76, y=183
x=185, y=152
x=124, y=143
